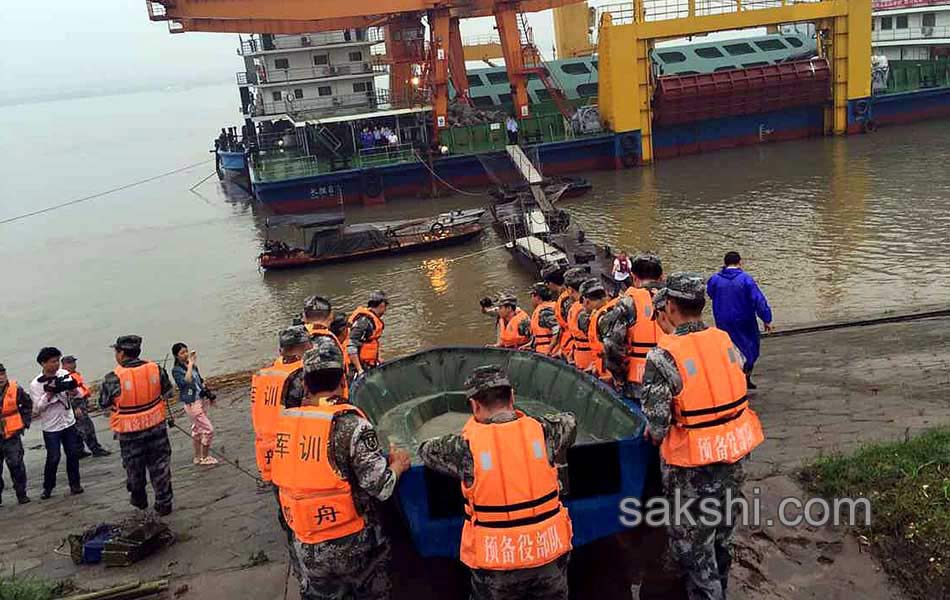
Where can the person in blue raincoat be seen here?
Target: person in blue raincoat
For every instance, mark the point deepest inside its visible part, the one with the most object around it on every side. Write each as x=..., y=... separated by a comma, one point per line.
x=737, y=301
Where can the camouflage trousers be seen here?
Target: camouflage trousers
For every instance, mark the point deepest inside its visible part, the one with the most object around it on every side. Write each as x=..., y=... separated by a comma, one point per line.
x=356, y=567
x=84, y=424
x=148, y=451
x=548, y=582
x=704, y=552
x=11, y=453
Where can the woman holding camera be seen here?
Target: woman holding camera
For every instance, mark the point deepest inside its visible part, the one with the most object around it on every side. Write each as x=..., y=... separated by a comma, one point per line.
x=196, y=399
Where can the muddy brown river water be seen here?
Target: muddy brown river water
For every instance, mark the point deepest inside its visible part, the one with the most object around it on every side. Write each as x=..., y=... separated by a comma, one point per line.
x=831, y=228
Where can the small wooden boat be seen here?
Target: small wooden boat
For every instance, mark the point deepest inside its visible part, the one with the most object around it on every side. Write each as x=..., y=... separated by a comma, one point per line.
x=331, y=241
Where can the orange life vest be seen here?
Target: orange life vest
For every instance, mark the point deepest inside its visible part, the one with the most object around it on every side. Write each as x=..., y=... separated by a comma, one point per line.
x=641, y=338
x=81, y=386
x=543, y=337
x=318, y=330
x=369, y=351
x=140, y=405
x=712, y=421
x=596, y=346
x=267, y=393
x=581, y=355
x=514, y=515
x=12, y=420
x=566, y=342
x=509, y=335
x=316, y=500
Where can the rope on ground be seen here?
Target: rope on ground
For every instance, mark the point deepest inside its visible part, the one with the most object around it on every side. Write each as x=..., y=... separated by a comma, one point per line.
x=444, y=182
x=103, y=193
x=448, y=260
x=218, y=454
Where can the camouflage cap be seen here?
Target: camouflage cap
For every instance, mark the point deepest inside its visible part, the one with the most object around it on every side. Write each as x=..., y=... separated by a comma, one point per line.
x=317, y=304
x=507, y=299
x=485, y=378
x=574, y=277
x=541, y=290
x=127, y=342
x=659, y=299
x=294, y=335
x=650, y=258
x=592, y=286
x=69, y=358
x=339, y=324
x=688, y=286
x=379, y=296
x=321, y=358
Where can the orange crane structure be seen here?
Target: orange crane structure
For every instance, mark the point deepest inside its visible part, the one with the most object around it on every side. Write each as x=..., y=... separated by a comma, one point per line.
x=439, y=59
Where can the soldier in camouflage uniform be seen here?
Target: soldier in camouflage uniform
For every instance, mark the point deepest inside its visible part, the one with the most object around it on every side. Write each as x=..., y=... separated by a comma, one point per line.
x=318, y=317
x=363, y=329
x=553, y=277
x=357, y=566
x=294, y=342
x=703, y=552
x=548, y=333
x=451, y=455
x=148, y=450
x=11, y=445
x=659, y=306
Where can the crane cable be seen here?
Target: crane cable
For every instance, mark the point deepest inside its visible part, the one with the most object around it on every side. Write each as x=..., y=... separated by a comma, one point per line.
x=103, y=193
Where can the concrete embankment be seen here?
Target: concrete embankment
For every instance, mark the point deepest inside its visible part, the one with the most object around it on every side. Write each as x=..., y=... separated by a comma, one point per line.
x=819, y=392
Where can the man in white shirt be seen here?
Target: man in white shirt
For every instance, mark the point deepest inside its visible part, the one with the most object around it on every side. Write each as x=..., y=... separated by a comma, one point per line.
x=50, y=394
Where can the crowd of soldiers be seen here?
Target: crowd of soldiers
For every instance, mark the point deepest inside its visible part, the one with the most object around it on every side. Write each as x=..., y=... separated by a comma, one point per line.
x=324, y=460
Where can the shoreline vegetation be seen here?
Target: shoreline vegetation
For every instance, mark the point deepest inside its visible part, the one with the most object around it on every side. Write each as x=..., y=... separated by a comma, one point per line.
x=908, y=485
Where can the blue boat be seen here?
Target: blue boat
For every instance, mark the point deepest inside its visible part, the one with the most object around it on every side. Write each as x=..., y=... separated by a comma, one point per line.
x=422, y=395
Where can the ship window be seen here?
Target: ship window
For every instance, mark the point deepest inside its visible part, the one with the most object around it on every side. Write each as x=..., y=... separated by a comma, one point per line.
x=687, y=73
x=276, y=96
x=901, y=21
x=475, y=81
x=575, y=68
x=321, y=59
x=708, y=52
x=542, y=95
x=281, y=63
x=737, y=49
x=725, y=68
x=587, y=89
x=298, y=93
x=672, y=57
x=360, y=86
x=760, y=63
x=770, y=45
x=887, y=23
x=794, y=41
x=497, y=78
x=356, y=56
x=504, y=98
x=483, y=101
x=325, y=90
x=928, y=20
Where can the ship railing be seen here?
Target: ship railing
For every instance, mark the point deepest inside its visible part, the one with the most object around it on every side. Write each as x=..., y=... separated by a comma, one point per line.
x=268, y=167
x=243, y=79
x=481, y=40
x=255, y=44
x=911, y=33
x=316, y=72
x=386, y=154
x=662, y=10
x=536, y=129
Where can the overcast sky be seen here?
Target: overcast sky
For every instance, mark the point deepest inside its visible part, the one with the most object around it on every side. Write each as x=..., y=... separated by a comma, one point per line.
x=69, y=44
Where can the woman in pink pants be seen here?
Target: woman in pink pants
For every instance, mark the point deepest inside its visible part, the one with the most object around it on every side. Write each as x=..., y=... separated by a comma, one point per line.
x=197, y=399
